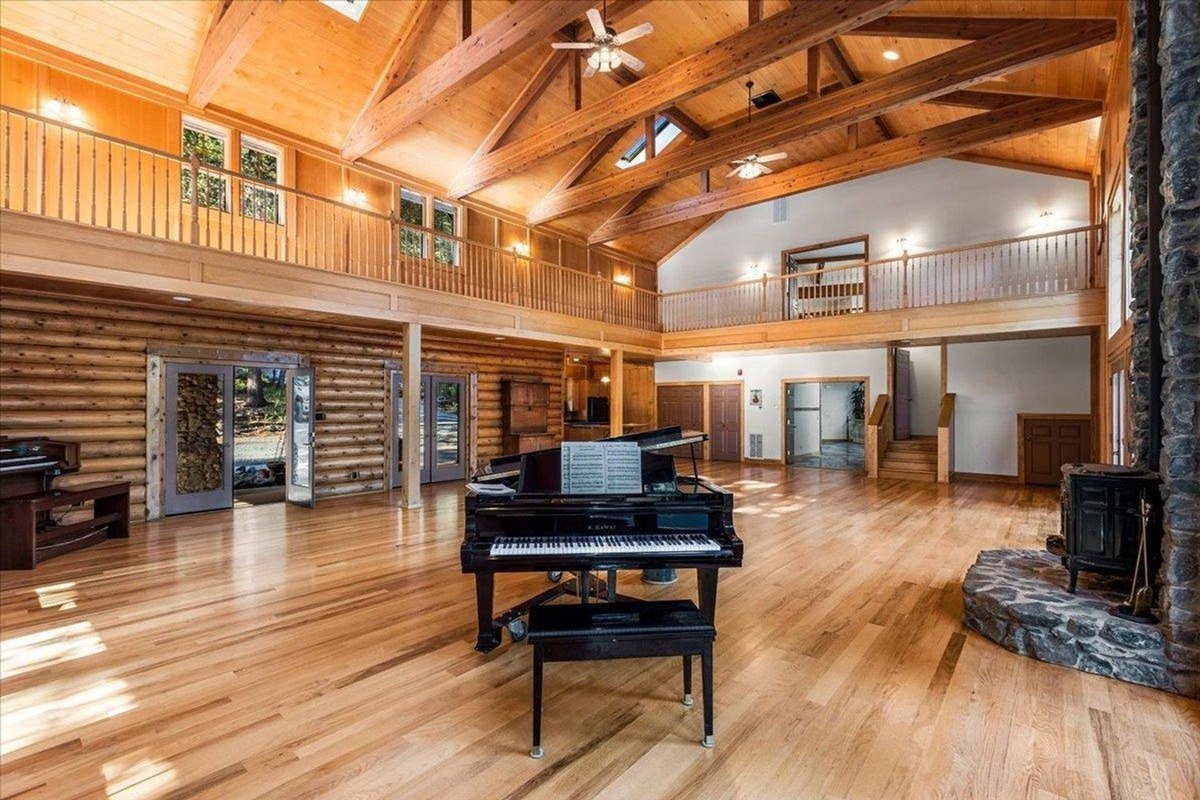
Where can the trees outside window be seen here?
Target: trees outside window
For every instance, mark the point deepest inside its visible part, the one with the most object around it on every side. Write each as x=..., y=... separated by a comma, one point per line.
x=208, y=145
x=445, y=217
x=260, y=161
x=412, y=212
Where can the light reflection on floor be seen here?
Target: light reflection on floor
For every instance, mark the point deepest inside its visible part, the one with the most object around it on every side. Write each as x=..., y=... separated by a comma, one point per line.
x=34, y=715
x=137, y=776
x=34, y=651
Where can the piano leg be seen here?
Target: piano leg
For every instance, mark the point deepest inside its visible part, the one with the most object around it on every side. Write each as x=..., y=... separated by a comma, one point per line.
x=489, y=634
x=706, y=581
x=585, y=586
x=612, y=586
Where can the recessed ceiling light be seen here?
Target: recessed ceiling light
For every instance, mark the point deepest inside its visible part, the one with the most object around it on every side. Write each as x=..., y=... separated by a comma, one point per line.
x=891, y=55
x=181, y=298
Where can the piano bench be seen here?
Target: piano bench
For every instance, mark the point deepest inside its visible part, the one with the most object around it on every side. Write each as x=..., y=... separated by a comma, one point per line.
x=626, y=629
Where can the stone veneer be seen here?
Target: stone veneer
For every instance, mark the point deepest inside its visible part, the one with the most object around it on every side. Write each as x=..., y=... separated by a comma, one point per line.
x=1179, y=461
x=1019, y=599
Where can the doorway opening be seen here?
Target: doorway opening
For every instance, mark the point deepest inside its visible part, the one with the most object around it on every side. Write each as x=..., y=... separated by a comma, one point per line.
x=917, y=389
x=236, y=433
x=443, y=444
x=824, y=423
x=828, y=278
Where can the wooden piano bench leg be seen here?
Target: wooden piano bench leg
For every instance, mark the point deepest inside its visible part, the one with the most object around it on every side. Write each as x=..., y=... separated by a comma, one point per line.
x=538, y=663
x=687, y=681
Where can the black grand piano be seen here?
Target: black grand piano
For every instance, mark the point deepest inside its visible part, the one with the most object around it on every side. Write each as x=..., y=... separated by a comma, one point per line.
x=675, y=521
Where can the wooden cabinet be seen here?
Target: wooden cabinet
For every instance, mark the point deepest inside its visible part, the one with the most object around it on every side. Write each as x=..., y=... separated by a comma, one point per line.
x=525, y=406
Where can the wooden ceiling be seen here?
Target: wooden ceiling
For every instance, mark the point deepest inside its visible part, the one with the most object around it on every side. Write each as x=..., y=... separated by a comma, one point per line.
x=310, y=71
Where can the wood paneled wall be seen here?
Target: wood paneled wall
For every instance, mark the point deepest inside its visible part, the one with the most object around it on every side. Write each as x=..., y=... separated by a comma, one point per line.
x=75, y=369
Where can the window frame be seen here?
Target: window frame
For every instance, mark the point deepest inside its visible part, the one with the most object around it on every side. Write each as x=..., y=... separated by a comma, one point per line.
x=421, y=200
x=269, y=148
x=225, y=136
x=456, y=210
x=638, y=149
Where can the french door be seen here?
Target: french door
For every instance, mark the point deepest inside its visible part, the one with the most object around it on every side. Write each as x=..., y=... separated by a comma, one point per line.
x=300, y=437
x=443, y=428
x=199, y=437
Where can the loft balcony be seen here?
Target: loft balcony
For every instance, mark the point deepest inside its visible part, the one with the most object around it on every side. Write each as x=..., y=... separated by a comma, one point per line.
x=58, y=172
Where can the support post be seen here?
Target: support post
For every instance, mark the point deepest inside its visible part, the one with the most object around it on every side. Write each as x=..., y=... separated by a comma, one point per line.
x=651, y=149
x=814, y=73
x=410, y=467
x=616, y=393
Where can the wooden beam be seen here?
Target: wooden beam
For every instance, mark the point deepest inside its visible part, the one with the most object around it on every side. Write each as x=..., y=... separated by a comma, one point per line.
x=577, y=81
x=986, y=101
x=650, y=135
x=1042, y=169
x=534, y=88
x=464, y=19
x=1014, y=49
x=682, y=120
x=513, y=31
x=616, y=393
x=940, y=27
x=787, y=32
x=852, y=136
x=754, y=11
x=814, y=73
x=400, y=62
x=944, y=140
x=848, y=76
x=705, y=181
x=590, y=158
x=410, y=457
x=235, y=28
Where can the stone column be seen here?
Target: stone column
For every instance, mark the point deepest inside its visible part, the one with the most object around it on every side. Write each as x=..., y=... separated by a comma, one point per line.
x=1179, y=58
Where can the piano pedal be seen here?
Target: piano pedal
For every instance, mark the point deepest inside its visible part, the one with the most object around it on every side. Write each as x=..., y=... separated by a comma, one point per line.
x=518, y=630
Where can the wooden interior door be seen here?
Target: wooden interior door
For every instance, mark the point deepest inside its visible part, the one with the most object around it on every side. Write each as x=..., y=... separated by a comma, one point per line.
x=725, y=414
x=682, y=406
x=1051, y=442
x=903, y=397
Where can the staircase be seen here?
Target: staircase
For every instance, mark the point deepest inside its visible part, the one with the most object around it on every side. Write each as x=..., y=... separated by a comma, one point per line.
x=912, y=459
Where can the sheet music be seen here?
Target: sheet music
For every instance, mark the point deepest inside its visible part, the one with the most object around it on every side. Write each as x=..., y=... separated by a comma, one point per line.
x=601, y=468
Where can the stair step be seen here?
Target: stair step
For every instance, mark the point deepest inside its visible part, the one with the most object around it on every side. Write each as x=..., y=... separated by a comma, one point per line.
x=908, y=475
x=906, y=466
x=914, y=444
x=921, y=456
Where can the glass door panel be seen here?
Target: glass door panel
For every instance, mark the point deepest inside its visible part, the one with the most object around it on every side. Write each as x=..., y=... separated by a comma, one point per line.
x=447, y=409
x=301, y=480
x=199, y=438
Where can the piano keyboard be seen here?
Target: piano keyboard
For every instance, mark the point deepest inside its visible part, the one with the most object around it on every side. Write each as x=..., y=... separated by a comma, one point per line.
x=601, y=545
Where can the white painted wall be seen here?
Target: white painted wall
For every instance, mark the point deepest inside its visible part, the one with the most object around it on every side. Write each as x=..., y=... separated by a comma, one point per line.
x=926, y=384
x=768, y=371
x=835, y=407
x=996, y=380
x=936, y=204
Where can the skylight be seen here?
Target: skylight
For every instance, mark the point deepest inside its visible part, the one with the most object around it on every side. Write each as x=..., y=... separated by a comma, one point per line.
x=665, y=132
x=348, y=8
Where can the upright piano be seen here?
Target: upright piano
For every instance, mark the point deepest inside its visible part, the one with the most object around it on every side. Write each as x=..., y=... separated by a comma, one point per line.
x=676, y=521
x=33, y=513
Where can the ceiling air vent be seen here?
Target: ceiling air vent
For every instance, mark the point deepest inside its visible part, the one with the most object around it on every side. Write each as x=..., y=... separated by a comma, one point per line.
x=764, y=99
x=779, y=210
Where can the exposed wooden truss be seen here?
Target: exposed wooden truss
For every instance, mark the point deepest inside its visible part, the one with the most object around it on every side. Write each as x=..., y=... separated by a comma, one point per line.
x=1017, y=119
x=787, y=32
x=534, y=88
x=512, y=32
x=1016, y=48
x=235, y=27
x=940, y=27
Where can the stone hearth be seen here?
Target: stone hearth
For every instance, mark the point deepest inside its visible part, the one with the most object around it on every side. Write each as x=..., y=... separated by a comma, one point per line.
x=1018, y=599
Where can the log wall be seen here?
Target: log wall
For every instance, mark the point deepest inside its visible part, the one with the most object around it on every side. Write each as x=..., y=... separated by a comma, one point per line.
x=73, y=368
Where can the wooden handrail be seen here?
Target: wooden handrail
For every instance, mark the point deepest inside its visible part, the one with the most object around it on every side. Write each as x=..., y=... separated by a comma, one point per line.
x=945, y=438
x=946, y=410
x=879, y=411
x=877, y=433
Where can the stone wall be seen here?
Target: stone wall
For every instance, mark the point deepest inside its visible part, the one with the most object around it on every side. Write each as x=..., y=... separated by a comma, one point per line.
x=1137, y=157
x=199, y=436
x=1179, y=462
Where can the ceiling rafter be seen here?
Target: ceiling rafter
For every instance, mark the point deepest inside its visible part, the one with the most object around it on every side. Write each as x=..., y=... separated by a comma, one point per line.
x=1017, y=119
x=1013, y=49
x=782, y=34
x=533, y=89
x=236, y=26
x=848, y=76
x=949, y=27
x=512, y=32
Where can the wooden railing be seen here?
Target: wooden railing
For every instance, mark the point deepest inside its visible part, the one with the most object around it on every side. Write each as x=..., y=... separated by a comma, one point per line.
x=57, y=170
x=877, y=434
x=1027, y=266
x=945, y=439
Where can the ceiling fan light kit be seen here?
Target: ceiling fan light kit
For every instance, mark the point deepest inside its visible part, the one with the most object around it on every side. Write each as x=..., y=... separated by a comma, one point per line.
x=605, y=45
x=753, y=165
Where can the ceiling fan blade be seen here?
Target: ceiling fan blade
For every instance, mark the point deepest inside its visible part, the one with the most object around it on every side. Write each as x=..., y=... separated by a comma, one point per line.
x=733, y=172
x=772, y=157
x=589, y=72
x=572, y=45
x=762, y=169
x=631, y=61
x=645, y=29
x=597, y=21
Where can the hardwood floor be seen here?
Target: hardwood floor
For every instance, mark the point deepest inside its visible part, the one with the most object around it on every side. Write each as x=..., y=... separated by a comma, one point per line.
x=279, y=652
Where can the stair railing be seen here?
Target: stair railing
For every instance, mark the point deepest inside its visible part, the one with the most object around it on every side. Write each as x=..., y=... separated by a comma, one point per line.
x=945, y=439
x=878, y=433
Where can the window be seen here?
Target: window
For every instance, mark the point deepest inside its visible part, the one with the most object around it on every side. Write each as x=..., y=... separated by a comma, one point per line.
x=1118, y=258
x=261, y=162
x=352, y=9
x=412, y=212
x=664, y=133
x=445, y=219
x=1119, y=404
x=209, y=144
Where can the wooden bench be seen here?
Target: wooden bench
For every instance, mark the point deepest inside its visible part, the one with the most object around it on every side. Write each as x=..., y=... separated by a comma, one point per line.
x=625, y=629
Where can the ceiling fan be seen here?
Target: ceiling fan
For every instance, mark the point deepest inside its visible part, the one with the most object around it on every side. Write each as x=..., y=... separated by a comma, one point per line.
x=752, y=165
x=606, y=43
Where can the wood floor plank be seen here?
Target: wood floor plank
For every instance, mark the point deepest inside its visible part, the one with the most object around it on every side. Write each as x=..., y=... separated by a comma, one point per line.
x=279, y=652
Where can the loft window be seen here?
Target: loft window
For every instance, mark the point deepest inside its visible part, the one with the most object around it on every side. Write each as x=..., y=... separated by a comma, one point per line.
x=665, y=132
x=352, y=9
x=412, y=213
x=445, y=220
x=209, y=144
x=261, y=162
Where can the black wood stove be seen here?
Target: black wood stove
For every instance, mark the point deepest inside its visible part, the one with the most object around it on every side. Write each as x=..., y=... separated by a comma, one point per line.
x=1102, y=518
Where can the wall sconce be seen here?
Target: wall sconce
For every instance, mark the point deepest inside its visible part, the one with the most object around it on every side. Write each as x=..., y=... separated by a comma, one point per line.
x=521, y=249
x=62, y=109
x=356, y=197
x=606, y=380
x=623, y=279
